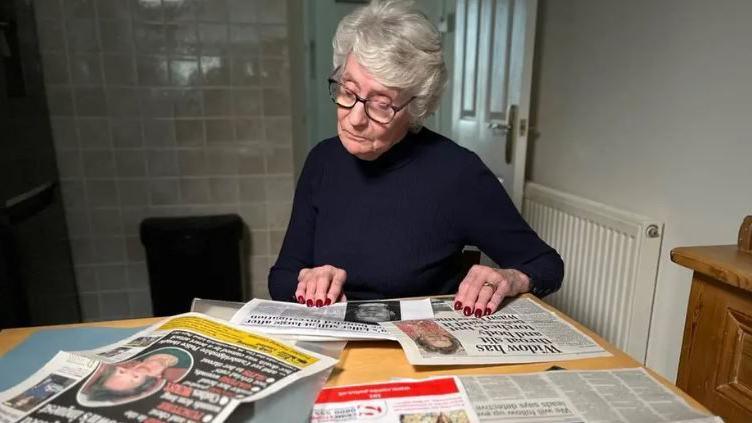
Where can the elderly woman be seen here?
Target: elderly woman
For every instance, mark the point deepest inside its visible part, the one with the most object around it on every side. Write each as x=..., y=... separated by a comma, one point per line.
x=385, y=208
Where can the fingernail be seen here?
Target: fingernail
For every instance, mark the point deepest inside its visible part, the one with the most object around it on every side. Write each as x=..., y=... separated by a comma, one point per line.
x=301, y=300
x=457, y=305
x=467, y=311
x=488, y=311
x=319, y=303
x=478, y=312
x=309, y=303
x=328, y=301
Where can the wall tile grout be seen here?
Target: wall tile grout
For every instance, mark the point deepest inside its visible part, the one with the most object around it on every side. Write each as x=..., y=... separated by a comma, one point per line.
x=141, y=150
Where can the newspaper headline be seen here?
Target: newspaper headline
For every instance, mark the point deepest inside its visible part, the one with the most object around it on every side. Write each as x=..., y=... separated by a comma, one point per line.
x=354, y=320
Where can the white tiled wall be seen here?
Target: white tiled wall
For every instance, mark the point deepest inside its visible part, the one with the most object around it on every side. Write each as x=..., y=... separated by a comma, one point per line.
x=165, y=108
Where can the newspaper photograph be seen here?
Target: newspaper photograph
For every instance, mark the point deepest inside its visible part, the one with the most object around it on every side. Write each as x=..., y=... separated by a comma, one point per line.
x=431, y=400
x=354, y=320
x=596, y=396
x=190, y=367
x=521, y=332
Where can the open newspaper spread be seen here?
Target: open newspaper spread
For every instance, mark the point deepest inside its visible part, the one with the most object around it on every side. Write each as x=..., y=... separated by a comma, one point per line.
x=593, y=396
x=521, y=332
x=187, y=368
x=354, y=320
x=566, y=396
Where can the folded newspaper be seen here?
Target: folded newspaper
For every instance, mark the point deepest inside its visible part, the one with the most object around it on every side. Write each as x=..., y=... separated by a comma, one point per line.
x=432, y=400
x=521, y=332
x=595, y=396
x=354, y=320
x=187, y=368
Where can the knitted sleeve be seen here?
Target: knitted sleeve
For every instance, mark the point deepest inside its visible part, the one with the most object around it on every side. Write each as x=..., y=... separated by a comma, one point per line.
x=486, y=218
x=297, y=248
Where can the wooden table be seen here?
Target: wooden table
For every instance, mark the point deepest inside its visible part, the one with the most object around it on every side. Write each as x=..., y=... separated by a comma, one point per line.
x=369, y=361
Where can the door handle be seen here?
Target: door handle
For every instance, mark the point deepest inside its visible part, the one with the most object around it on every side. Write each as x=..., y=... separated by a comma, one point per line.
x=497, y=125
x=510, y=135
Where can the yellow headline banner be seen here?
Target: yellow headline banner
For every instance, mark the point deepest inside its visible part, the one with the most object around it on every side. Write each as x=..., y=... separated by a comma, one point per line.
x=238, y=337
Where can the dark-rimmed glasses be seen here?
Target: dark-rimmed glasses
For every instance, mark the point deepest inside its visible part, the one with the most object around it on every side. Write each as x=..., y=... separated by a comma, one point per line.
x=379, y=109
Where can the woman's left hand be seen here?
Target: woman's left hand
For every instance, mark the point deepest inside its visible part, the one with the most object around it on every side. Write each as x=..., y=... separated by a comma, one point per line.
x=483, y=289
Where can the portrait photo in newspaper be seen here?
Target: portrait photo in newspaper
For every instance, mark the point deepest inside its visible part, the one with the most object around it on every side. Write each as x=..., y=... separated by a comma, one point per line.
x=431, y=338
x=373, y=311
x=136, y=378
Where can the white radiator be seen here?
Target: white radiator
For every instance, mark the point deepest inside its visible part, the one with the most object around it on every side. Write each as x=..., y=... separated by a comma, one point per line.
x=611, y=263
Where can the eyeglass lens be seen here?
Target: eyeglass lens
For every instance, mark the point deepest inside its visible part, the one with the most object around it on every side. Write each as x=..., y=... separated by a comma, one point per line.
x=376, y=109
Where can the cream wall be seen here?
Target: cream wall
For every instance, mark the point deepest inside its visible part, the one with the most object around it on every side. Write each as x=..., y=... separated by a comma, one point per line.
x=647, y=106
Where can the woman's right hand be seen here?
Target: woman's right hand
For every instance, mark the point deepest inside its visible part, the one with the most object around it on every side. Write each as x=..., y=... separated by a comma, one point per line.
x=320, y=286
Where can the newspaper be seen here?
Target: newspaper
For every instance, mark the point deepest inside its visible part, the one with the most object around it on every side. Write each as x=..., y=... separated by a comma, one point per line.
x=521, y=332
x=431, y=400
x=354, y=320
x=619, y=395
x=188, y=368
x=566, y=396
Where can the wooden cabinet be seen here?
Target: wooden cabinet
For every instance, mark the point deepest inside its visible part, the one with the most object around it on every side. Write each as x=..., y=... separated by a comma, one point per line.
x=716, y=358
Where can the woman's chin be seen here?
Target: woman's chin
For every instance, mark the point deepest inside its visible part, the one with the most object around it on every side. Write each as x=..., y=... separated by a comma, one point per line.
x=361, y=150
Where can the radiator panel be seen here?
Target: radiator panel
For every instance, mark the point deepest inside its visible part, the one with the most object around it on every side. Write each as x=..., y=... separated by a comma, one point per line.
x=611, y=264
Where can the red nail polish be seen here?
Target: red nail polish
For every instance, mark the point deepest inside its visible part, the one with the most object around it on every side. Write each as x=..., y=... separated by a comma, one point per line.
x=457, y=305
x=309, y=303
x=319, y=303
x=488, y=311
x=478, y=312
x=301, y=300
x=467, y=311
x=328, y=301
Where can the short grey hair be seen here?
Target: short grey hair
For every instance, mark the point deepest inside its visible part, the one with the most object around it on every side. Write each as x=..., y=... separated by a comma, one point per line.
x=400, y=47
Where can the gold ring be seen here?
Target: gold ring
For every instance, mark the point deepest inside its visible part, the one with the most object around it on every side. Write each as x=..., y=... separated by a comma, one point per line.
x=489, y=284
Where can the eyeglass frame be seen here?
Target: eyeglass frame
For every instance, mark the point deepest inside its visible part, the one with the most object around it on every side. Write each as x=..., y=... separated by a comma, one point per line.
x=363, y=100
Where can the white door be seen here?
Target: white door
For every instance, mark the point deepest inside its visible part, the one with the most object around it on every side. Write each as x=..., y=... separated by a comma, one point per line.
x=322, y=17
x=491, y=75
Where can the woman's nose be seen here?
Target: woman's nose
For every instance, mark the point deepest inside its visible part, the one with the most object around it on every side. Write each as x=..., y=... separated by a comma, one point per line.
x=358, y=115
x=139, y=370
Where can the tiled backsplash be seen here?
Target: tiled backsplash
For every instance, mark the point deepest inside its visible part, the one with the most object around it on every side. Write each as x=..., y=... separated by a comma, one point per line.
x=165, y=108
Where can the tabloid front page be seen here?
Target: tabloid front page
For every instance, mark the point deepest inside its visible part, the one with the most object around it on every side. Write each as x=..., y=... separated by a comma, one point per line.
x=354, y=320
x=521, y=332
x=431, y=400
x=568, y=396
x=188, y=368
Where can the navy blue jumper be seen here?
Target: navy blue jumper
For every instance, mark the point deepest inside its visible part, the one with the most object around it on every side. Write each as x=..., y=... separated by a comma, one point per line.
x=397, y=225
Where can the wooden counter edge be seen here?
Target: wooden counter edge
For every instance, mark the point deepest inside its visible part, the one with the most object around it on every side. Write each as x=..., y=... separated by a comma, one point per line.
x=724, y=263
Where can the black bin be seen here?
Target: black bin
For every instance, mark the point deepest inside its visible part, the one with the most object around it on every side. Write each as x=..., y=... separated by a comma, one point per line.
x=190, y=257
